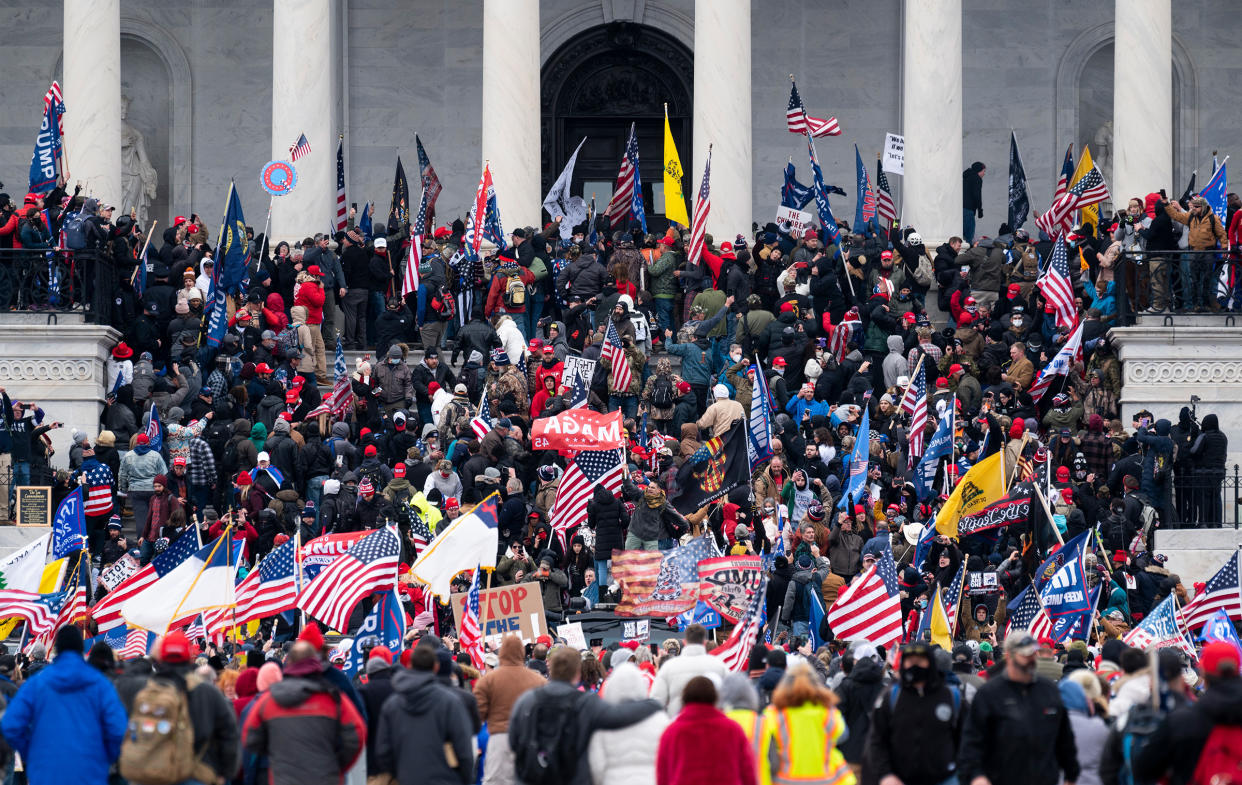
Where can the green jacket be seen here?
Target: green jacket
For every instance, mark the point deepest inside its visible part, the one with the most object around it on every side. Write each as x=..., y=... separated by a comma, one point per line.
x=662, y=283
x=712, y=300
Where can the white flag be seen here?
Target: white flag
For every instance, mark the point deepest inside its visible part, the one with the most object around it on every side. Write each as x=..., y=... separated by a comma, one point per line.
x=572, y=209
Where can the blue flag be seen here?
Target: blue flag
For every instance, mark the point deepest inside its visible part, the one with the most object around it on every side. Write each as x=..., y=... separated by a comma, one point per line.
x=700, y=614
x=857, y=485
x=1215, y=190
x=923, y=547
x=1219, y=627
x=45, y=163
x=69, y=525
x=155, y=434
x=232, y=263
x=364, y=223
x=816, y=620
x=940, y=446
x=759, y=432
x=864, y=205
x=831, y=230
x=1065, y=595
x=793, y=193
x=386, y=622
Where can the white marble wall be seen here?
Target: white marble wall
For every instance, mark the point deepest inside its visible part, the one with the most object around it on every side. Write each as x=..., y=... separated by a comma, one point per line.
x=1142, y=97
x=510, y=113
x=92, y=90
x=722, y=112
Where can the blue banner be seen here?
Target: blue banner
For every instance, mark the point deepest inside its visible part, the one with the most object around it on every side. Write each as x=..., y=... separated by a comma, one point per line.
x=69, y=525
x=864, y=204
x=793, y=193
x=1219, y=627
x=1065, y=595
x=759, y=433
x=831, y=231
x=858, y=461
x=940, y=446
x=45, y=163
x=386, y=622
x=231, y=268
x=155, y=434
x=1215, y=190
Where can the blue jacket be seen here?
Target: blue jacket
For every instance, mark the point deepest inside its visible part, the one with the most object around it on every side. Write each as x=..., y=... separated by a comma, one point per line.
x=67, y=700
x=696, y=363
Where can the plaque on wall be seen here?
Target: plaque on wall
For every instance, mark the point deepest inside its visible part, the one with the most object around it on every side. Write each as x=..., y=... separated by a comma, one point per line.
x=34, y=505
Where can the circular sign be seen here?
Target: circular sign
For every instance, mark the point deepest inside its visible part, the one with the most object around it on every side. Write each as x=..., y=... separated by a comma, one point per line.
x=278, y=177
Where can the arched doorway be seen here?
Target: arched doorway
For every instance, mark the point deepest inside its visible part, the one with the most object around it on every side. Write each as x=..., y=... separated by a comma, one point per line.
x=595, y=86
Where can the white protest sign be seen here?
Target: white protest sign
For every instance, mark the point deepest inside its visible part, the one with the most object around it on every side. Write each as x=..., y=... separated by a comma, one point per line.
x=121, y=569
x=573, y=635
x=894, y=159
x=792, y=221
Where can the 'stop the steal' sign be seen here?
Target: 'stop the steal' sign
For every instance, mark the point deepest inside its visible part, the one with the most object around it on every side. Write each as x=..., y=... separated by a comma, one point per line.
x=894, y=159
x=508, y=610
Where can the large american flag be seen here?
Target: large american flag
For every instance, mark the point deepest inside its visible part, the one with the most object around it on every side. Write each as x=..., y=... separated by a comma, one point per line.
x=1060, y=365
x=1222, y=592
x=470, y=636
x=627, y=199
x=339, y=400
x=72, y=609
x=843, y=333
x=735, y=652
x=370, y=565
x=431, y=187
x=39, y=611
x=1030, y=615
x=613, y=351
x=481, y=423
x=702, y=207
x=137, y=643
x=341, y=216
x=952, y=597
x=884, y=195
x=270, y=589
x=299, y=148
x=870, y=607
x=799, y=122
x=1067, y=172
x=915, y=404
x=409, y=280
x=586, y=470
x=1057, y=287
x=98, y=486
x=107, y=612
x=1090, y=189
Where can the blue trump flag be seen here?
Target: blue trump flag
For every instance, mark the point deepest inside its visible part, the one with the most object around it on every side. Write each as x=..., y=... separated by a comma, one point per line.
x=69, y=525
x=232, y=263
x=831, y=231
x=858, y=461
x=793, y=193
x=759, y=430
x=1219, y=627
x=385, y=622
x=364, y=223
x=940, y=446
x=1065, y=595
x=45, y=163
x=864, y=204
x=155, y=434
x=1215, y=190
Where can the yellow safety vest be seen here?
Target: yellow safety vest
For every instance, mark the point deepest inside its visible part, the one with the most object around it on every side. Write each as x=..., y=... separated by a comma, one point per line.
x=753, y=725
x=805, y=739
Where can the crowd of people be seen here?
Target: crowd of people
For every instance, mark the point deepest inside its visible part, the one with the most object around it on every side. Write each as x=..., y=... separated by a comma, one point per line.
x=267, y=437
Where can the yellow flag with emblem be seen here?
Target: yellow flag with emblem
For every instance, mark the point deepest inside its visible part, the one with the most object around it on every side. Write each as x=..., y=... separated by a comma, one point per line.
x=940, y=633
x=1087, y=214
x=984, y=484
x=674, y=197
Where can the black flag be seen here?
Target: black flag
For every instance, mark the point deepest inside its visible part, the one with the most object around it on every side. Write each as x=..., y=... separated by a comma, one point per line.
x=716, y=468
x=399, y=210
x=1019, y=199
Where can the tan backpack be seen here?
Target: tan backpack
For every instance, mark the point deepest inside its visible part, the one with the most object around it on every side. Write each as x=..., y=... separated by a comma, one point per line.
x=158, y=748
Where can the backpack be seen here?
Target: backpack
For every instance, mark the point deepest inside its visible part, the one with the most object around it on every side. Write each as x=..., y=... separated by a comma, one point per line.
x=1162, y=467
x=289, y=342
x=1221, y=758
x=444, y=304
x=957, y=700
x=662, y=392
x=158, y=747
x=75, y=231
x=515, y=292
x=1141, y=722
x=548, y=755
x=229, y=458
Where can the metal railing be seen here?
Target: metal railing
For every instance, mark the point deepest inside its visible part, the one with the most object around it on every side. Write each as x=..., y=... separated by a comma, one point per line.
x=1177, y=282
x=57, y=282
x=1203, y=501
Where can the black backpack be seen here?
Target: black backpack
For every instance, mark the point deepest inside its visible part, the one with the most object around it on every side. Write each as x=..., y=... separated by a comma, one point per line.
x=549, y=752
x=662, y=392
x=75, y=231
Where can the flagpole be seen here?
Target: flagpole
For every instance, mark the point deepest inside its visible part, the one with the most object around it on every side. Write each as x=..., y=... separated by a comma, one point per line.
x=1048, y=511
x=134, y=275
x=267, y=225
x=223, y=536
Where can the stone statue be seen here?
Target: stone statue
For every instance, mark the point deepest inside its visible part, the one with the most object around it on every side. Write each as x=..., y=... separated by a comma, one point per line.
x=138, y=177
x=1102, y=150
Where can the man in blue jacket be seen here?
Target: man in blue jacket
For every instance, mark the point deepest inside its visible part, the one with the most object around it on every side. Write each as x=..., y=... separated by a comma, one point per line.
x=66, y=700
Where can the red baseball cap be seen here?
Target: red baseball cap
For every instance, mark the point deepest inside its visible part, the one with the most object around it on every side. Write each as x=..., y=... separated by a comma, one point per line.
x=1216, y=654
x=451, y=503
x=263, y=368
x=175, y=648
x=779, y=362
x=314, y=270
x=369, y=450
x=382, y=652
x=142, y=439
x=398, y=470
x=179, y=461
x=955, y=368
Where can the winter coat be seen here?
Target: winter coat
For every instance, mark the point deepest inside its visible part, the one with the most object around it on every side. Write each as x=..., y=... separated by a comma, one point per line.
x=608, y=517
x=67, y=700
x=499, y=689
x=310, y=295
x=681, y=759
x=138, y=468
x=622, y=757
x=1017, y=733
x=584, y=276
x=858, y=693
x=417, y=725
x=309, y=732
x=894, y=364
x=673, y=676
x=1205, y=230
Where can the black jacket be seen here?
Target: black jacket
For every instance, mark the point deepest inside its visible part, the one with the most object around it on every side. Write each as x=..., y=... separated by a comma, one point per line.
x=1178, y=741
x=1015, y=731
x=608, y=517
x=858, y=692
x=914, y=738
x=415, y=725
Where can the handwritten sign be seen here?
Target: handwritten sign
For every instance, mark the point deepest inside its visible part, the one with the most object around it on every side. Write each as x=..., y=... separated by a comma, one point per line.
x=894, y=159
x=507, y=610
x=792, y=221
x=573, y=635
x=121, y=569
x=34, y=505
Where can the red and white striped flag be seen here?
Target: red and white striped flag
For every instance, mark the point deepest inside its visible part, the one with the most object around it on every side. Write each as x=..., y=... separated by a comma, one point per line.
x=300, y=148
x=1030, y=615
x=915, y=404
x=621, y=206
x=137, y=644
x=1060, y=365
x=799, y=122
x=843, y=333
x=409, y=280
x=884, y=195
x=1222, y=592
x=1090, y=189
x=586, y=470
x=735, y=652
x=71, y=612
x=341, y=212
x=702, y=208
x=1057, y=287
x=370, y=565
x=470, y=636
x=870, y=607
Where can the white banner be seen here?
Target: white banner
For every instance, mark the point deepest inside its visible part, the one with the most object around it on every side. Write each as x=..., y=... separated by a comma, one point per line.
x=791, y=221
x=894, y=159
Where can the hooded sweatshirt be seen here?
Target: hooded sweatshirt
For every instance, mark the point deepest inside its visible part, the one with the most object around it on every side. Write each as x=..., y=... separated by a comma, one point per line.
x=416, y=725
x=499, y=689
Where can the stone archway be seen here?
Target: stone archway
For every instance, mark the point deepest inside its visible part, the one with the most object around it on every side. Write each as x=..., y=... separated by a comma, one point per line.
x=599, y=82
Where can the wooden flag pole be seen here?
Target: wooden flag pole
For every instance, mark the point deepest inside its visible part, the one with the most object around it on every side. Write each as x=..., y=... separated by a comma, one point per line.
x=134, y=275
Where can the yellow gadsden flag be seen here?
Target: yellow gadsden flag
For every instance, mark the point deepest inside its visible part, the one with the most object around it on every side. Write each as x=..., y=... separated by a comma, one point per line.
x=1087, y=214
x=984, y=484
x=674, y=198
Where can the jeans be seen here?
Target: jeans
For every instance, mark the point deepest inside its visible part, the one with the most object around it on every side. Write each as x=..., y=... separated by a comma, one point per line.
x=139, y=501
x=314, y=493
x=375, y=307
x=628, y=404
x=1198, y=282
x=968, y=225
x=601, y=572
x=632, y=543
x=200, y=495
x=802, y=628
x=21, y=476
x=534, y=311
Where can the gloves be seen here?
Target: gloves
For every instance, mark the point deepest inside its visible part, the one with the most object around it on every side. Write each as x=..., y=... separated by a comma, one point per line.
x=980, y=212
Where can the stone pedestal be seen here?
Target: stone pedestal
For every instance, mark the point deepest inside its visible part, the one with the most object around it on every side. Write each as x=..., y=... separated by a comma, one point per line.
x=722, y=116
x=511, y=109
x=92, y=89
x=931, y=110
x=1142, y=99
x=60, y=368
x=302, y=103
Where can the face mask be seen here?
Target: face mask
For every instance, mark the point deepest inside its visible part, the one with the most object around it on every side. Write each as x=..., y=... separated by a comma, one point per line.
x=737, y=357
x=1017, y=322
x=915, y=674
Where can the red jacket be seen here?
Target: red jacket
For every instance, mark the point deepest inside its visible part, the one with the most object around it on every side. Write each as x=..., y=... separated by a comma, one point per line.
x=242, y=531
x=310, y=295
x=10, y=230
x=496, y=293
x=680, y=759
x=307, y=731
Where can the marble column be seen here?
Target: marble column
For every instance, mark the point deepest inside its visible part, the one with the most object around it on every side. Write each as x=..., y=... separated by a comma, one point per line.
x=92, y=89
x=1142, y=100
x=511, y=132
x=931, y=111
x=303, y=103
x=722, y=115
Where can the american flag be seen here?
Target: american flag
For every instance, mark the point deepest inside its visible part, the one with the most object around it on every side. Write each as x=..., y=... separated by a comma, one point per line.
x=409, y=280
x=614, y=352
x=431, y=187
x=915, y=404
x=1090, y=189
x=196, y=629
x=884, y=195
x=342, y=391
x=799, y=122
x=470, y=636
x=300, y=148
x=1070, y=353
x=72, y=609
x=1222, y=592
x=586, y=470
x=137, y=643
x=481, y=423
x=370, y=565
x=870, y=607
x=1067, y=172
x=341, y=217
x=39, y=611
x=1030, y=615
x=627, y=199
x=735, y=652
x=270, y=589
x=843, y=333
x=420, y=532
x=54, y=97
x=702, y=207
x=98, y=483
x=107, y=612
x=660, y=576
x=1056, y=285
x=1163, y=627
x=952, y=597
